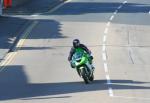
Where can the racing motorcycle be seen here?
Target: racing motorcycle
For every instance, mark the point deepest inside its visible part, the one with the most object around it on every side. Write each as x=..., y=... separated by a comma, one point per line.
x=81, y=62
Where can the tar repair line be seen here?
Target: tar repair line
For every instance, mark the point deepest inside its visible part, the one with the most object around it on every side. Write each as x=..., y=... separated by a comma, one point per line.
x=10, y=56
x=139, y=98
x=104, y=54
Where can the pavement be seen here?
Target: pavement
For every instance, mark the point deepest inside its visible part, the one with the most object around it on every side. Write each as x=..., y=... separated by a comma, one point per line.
x=33, y=7
x=116, y=31
x=11, y=28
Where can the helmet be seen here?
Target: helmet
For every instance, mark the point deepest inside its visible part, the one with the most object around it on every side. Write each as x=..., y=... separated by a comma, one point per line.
x=76, y=43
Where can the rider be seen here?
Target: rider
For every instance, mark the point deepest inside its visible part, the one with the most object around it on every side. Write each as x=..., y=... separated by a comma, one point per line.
x=77, y=44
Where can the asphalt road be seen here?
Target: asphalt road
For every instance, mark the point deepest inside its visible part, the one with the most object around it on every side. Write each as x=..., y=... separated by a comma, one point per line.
x=116, y=31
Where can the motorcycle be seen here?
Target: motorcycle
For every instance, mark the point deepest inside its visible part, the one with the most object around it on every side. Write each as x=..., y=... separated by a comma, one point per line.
x=81, y=62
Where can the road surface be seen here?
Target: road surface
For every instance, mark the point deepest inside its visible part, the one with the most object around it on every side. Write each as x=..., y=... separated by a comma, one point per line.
x=116, y=31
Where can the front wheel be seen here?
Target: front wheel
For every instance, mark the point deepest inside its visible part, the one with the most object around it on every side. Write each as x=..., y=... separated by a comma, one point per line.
x=91, y=78
x=85, y=76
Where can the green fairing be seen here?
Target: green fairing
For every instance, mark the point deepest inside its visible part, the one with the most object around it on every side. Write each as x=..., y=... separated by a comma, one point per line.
x=84, y=58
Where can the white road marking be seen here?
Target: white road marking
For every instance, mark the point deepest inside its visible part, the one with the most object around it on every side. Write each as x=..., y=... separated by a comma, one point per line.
x=149, y=12
x=104, y=56
x=10, y=56
x=108, y=79
x=106, y=30
x=105, y=67
x=115, y=12
x=104, y=38
x=34, y=15
x=108, y=24
x=57, y=7
x=124, y=2
x=111, y=18
x=124, y=97
x=104, y=48
x=111, y=94
x=120, y=7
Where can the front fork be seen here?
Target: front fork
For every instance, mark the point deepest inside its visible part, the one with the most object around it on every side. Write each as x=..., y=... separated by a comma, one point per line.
x=88, y=69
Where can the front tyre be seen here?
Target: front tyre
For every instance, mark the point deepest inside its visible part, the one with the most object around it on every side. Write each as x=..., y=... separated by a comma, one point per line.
x=84, y=76
x=91, y=78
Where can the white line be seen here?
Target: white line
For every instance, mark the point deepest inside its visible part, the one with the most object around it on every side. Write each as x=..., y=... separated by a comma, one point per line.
x=106, y=67
x=57, y=7
x=111, y=18
x=34, y=15
x=104, y=56
x=124, y=2
x=108, y=24
x=106, y=30
x=120, y=7
x=111, y=94
x=104, y=48
x=108, y=79
x=149, y=12
x=115, y=12
x=10, y=56
x=124, y=97
x=104, y=38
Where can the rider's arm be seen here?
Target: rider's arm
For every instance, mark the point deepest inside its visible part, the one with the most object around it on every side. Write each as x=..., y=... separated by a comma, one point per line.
x=85, y=48
x=71, y=54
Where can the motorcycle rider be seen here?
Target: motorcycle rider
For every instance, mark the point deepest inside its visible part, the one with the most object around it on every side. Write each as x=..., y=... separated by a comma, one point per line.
x=77, y=44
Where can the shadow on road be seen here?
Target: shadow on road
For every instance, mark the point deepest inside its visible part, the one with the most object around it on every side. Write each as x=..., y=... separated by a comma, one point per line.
x=14, y=84
x=13, y=27
x=10, y=28
x=46, y=29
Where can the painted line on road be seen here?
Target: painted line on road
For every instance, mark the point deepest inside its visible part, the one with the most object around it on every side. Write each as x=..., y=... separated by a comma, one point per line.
x=126, y=97
x=111, y=94
x=103, y=48
x=108, y=79
x=149, y=12
x=105, y=67
x=120, y=7
x=10, y=56
x=59, y=6
x=34, y=15
x=115, y=12
x=111, y=18
x=106, y=30
x=108, y=24
x=104, y=38
x=124, y=2
x=104, y=56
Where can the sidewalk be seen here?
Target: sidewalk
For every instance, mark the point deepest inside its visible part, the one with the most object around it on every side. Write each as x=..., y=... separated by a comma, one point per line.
x=33, y=7
x=12, y=27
